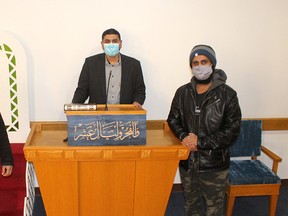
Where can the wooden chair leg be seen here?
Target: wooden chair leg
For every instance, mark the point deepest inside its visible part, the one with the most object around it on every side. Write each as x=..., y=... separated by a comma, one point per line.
x=273, y=204
x=229, y=204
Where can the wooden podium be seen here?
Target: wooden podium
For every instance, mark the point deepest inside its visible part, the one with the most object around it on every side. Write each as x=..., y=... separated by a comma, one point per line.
x=103, y=180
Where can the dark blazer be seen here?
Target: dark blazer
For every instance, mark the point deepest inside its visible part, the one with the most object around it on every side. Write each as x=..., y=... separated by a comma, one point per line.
x=92, y=81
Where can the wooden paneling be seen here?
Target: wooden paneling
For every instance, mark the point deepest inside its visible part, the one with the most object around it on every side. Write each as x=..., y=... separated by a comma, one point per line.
x=268, y=124
x=155, y=124
x=275, y=124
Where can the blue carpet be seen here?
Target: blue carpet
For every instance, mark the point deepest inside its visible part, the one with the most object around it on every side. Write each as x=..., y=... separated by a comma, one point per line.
x=248, y=206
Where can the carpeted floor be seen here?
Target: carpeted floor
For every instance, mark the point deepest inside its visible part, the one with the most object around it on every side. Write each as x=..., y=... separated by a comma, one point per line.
x=248, y=206
x=13, y=191
x=13, y=188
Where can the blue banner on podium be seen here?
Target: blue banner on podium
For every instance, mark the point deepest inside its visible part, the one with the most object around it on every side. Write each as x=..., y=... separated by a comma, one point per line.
x=99, y=130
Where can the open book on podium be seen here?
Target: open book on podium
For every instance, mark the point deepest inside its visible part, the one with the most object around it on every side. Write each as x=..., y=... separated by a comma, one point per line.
x=110, y=125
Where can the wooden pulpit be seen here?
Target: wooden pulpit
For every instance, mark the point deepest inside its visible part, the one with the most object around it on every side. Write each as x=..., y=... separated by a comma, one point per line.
x=103, y=180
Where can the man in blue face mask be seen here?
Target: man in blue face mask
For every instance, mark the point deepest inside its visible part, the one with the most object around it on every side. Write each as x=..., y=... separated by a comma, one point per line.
x=205, y=115
x=111, y=77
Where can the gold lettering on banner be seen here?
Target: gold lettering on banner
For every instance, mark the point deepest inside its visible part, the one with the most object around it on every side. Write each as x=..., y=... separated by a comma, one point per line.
x=145, y=153
x=116, y=130
x=69, y=154
x=107, y=154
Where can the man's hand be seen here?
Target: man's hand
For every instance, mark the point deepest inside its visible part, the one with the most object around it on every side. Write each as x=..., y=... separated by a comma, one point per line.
x=7, y=170
x=136, y=104
x=191, y=142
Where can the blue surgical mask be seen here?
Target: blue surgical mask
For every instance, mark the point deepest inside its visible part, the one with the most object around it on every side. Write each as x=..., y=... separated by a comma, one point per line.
x=111, y=49
x=202, y=72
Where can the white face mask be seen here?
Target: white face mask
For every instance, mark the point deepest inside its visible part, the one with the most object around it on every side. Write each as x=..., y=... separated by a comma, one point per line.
x=202, y=72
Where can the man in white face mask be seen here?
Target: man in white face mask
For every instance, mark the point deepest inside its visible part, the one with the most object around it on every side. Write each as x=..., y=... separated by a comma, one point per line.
x=202, y=61
x=205, y=115
x=111, y=77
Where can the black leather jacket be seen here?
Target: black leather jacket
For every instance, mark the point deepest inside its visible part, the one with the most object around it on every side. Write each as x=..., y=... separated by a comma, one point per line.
x=218, y=125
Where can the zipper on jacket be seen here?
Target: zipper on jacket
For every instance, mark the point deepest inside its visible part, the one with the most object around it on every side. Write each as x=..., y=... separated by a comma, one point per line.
x=198, y=126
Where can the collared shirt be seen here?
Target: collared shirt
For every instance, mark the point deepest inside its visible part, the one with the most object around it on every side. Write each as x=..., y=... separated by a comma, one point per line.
x=113, y=81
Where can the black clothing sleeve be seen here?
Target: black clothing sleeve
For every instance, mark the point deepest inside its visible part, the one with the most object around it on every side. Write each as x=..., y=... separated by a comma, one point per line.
x=5, y=148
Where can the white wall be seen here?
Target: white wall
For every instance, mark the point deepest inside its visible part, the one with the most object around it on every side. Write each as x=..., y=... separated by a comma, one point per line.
x=249, y=37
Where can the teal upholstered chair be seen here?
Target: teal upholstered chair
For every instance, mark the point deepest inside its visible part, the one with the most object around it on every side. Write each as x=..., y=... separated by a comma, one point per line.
x=252, y=177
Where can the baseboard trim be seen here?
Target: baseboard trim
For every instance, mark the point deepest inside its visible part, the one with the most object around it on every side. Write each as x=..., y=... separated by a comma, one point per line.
x=284, y=182
x=37, y=191
x=268, y=124
x=177, y=187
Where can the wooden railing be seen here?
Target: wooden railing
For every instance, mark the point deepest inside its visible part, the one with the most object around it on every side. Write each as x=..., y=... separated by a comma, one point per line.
x=269, y=124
